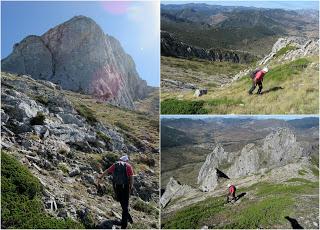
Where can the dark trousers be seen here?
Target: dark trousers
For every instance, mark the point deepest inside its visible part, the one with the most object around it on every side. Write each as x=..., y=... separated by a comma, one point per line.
x=231, y=197
x=254, y=85
x=122, y=193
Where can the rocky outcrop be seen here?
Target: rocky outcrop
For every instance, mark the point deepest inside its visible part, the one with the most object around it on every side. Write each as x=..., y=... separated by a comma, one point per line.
x=208, y=174
x=302, y=47
x=78, y=56
x=279, y=148
x=170, y=46
x=177, y=84
x=173, y=189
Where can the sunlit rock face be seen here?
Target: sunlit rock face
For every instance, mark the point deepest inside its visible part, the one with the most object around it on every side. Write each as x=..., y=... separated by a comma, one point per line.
x=78, y=56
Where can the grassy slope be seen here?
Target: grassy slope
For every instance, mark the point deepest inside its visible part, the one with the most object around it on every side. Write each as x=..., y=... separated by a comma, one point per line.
x=299, y=80
x=202, y=73
x=137, y=124
x=265, y=207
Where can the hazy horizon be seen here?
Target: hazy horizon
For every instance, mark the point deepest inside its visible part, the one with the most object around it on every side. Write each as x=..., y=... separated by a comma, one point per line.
x=256, y=117
x=287, y=5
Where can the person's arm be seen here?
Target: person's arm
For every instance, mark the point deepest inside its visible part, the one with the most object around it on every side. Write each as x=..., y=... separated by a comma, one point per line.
x=109, y=170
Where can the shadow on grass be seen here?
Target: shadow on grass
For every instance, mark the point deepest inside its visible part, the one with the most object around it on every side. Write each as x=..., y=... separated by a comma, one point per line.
x=276, y=88
x=108, y=224
x=294, y=223
x=241, y=195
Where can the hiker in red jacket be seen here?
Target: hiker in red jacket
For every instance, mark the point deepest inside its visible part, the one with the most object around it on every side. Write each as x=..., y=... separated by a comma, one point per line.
x=231, y=193
x=257, y=79
x=122, y=173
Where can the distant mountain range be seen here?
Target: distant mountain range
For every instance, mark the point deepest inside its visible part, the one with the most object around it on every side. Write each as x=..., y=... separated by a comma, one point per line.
x=235, y=27
x=185, y=131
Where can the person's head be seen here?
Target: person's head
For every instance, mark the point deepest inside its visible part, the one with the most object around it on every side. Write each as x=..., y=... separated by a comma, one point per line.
x=265, y=69
x=228, y=185
x=124, y=158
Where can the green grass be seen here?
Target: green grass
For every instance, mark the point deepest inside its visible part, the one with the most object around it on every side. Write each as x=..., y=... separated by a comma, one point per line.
x=21, y=205
x=174, y=106
x=285, y=50
x=204, y=66
x=282, y=72
x=122, y=126
x=191, y=217
x=262, y=214
x=315, y=171
x=223, y=101
x=268, y=206
x=87, y=113
x=302, y=172
x=103, y=137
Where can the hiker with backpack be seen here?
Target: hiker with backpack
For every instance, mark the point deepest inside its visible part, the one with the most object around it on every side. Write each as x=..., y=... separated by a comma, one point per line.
x=257, y=79
x=122, y=173
x=231, y=197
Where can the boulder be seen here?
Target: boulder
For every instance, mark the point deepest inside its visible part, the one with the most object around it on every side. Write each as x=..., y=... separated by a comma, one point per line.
x=74, y=172
x=200, y=92
x=173, y=189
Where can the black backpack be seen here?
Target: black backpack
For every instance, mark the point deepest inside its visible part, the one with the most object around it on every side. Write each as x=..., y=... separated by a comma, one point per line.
x=120, y=174
x=253, y=74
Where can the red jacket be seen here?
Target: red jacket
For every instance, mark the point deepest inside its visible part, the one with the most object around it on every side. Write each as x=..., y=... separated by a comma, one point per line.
x=111, y=169
x=232, y=189
x=259, y=75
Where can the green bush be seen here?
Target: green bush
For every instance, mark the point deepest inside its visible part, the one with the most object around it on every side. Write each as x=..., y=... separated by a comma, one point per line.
x=145, y=207
x=42, y=99
x=21, y=205
x=174, y=106
x=87, y=113
x=38, y=119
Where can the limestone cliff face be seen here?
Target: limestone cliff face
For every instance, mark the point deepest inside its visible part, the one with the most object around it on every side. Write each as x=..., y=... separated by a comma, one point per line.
x=78, y=56
x=279, y=148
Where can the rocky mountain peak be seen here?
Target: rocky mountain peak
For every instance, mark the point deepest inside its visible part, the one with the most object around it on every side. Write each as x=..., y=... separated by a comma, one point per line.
x=278, y=148
x=78, y=56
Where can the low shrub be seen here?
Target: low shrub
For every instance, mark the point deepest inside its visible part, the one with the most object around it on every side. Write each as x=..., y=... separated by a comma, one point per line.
x=21, y=205
x=174, y=106
x=38, y=119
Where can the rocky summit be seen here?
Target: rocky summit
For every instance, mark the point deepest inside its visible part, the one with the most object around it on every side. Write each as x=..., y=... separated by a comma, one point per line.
x=277, y=149
x=78, y=56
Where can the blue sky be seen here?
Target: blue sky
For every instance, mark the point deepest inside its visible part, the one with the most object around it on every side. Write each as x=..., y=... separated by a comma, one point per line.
x=292, y=5
x=135, y=24
x=281, y=117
